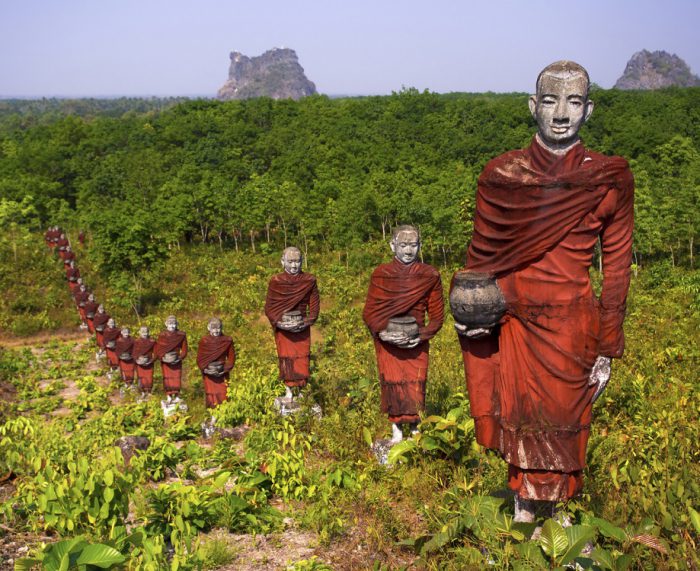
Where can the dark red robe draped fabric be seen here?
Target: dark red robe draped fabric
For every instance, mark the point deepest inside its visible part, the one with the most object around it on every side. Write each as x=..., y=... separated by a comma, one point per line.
x=287, y=292
x=403, y=289
x=125, y=345
x=212, y=349
x=91, y=309
x=100, y=321
x=72, y=274
x=67, y=257
x=144, y=373
x=538, y=218
x=111, y=335
x=61, y=244
x=172, y=374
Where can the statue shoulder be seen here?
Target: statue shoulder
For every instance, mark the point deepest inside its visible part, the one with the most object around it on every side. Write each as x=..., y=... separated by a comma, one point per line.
x=502, y=163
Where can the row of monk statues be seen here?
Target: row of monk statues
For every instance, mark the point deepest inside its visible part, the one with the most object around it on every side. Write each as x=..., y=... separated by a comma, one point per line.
x=536, y=341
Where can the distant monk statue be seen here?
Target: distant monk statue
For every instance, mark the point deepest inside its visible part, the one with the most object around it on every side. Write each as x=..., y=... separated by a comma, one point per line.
x=90, y=310
x=109, y=337
x=171, y=349
x=292, y=306
x=123, y=348
x=534, y=375
x=142, y=353
x=81, y=238
x=100, y=323
x=400, y=293
x=61, y=245
x=68, y=256
x=215, y=358
x=73, y=275
x=81, y=298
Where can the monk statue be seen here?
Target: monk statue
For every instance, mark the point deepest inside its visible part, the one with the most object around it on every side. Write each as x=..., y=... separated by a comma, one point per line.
x=534, y=370
x=123, y=348
x=68, y=256
x=400, y=293
x=110, y=337
x=81, y=298
x=215, y=358
x=61, y=245
x=73, y=275
x=142, y=352
x=171, y=349
x=90, y=308
x=100, y=323
x=292, y=305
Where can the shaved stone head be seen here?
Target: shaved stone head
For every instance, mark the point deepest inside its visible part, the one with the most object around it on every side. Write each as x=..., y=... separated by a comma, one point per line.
x=563, y=69
x=292, y=260
x=291, y=250
x=404, y=228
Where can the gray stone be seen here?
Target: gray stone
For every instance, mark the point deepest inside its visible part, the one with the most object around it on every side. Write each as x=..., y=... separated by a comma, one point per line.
x=656, y=70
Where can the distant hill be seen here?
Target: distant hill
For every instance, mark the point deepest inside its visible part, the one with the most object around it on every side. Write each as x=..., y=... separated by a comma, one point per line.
x=654, y=70
x=276, y=73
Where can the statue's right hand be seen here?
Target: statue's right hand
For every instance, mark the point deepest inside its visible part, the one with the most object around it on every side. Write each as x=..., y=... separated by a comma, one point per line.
x=477, y=333
x=285, y=326
x=396, y=338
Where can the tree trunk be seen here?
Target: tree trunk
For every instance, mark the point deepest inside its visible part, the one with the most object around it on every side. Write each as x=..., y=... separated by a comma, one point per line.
x=267, y=231
x=221, y=241
x=252, y=241
x=673, y=259
x=690, y=251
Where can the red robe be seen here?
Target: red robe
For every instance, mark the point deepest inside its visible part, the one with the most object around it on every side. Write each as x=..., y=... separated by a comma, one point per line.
x=111, y=334
x=397, y=289
x=100, y=321
x=67, y=257
x=125, y=345
x=287, y=292
x=172, y=374
x=212, y=349
x=81, y=298
x=91, y=309
x=61, y=244
x=144, y=373
x=538, y=218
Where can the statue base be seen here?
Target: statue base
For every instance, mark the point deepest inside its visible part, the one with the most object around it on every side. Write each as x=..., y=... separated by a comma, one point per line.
x=286, y=406
x=381, y=449
x=171, y=406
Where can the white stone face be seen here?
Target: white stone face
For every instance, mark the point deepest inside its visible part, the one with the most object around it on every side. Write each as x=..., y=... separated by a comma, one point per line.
x=406, y=246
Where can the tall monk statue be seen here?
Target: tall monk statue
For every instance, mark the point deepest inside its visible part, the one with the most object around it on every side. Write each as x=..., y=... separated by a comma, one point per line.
x=142, y=353
x=100, y=323
x=68, y=256
x=123, y=348
x=72, y=275
x=400, y=293
x=292, y=306
x=61, y=245
x=171, y=349
x=90, y=308
x=215, y=358
x=534, y=374
x=81, y=298
x=110, y=336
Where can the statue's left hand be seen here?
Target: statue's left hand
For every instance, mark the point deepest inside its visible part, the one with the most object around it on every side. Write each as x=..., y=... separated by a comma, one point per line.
x=600, y=375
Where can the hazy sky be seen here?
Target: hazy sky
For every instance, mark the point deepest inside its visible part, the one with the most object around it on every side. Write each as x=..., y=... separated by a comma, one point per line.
x=181, y=47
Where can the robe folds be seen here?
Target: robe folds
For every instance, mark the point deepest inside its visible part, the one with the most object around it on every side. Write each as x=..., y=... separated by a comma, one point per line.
x=144, y=373
x=289, y=292
x=167, y=342
x=538, y=218
x=126, y=366
x=397, y=289
x=111, y=334
x=100, y=322
x=215, y=348
x=91, y=309
x=67, y=257
x=72, y=275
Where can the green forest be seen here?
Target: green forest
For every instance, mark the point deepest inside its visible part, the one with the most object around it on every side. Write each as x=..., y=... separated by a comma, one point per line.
x=186, y=206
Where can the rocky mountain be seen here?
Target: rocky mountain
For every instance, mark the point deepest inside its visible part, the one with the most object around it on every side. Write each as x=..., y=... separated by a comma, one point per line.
x=654, y=70
x=276, y=73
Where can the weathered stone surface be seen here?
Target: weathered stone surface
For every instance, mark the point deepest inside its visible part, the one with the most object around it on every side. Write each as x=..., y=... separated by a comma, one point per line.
x=276, y=74
x=130, y=444
x=655, y=70
x=476, y=300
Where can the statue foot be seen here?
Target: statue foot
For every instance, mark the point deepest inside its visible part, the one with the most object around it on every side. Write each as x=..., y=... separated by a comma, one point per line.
x=288, y=394
x=396, y=433
x=525, y=510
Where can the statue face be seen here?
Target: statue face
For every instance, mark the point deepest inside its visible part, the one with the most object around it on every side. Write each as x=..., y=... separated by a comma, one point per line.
x=171, y=325
x=82, y=287
x=214, y=329
x=100, y=308
x=125, y=332
x=111, y=322
x=91, y=297
x=143, y=332
x=406, y=246
x=560, y=107
x=291, y=262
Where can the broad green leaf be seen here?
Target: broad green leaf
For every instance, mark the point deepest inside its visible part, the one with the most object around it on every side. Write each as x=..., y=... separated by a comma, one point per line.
x=532, y=553
x=578, y=536
x=26, y=564
x=398, y=450
x=100, y=555
x=367, y=435
x=695, y=519
x=108, y=494
x=608, y=529
x=553, y=539
x=108, y=477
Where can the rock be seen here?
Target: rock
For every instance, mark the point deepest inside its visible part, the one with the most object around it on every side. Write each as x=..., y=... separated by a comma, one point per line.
x=236, y=433
x=129, y=444
x=276, y=74
x=655, y=70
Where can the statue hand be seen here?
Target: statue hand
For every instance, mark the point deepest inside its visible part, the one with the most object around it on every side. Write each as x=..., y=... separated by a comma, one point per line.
x=410, y=343
x=396, y=338
x=600, y=375
x=471, y=333
x=285, y=326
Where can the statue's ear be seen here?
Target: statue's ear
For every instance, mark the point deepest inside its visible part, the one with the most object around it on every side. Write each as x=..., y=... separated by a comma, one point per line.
x=392, y=246
x=589, y=109
x=532, y=103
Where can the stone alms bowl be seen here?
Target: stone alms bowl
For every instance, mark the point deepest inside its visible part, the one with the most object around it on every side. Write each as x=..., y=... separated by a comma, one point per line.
x=405, y=324
x=170, y=357
x=476, y=300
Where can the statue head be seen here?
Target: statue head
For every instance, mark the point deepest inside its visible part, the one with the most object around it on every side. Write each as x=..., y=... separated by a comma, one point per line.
x=68, y=248
x=405, y=243
x=291, y=260
x=561, y=105
x=214, y=326
x=126, y=332
x=171, y=323
x=91, y=297
x=71, y=263
x=82, y=287
x=144, y=332
x=100, y=308
x=79, y=281
x=63, y=235
x=111, y=323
